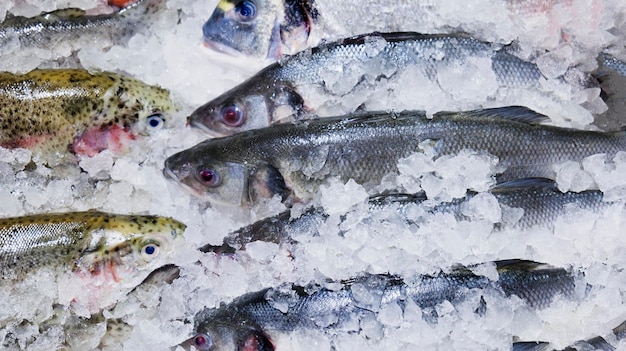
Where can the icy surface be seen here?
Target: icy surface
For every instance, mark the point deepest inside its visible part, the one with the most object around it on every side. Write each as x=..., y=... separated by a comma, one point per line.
x=172, y=56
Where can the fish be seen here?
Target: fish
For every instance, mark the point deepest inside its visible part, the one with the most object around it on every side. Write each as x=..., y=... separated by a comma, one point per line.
x=344, y=76
x=267, y=29
x=611, y=75
x=64, y=113
x=540, y=199
x=67, y=26
x=94, y=252
x=255, y=320
x=291, y=161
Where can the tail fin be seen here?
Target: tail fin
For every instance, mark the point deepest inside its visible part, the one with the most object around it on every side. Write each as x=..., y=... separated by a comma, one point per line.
x=611, y=75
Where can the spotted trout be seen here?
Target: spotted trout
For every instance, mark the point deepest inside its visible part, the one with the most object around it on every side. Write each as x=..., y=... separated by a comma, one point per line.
x=56, y=112
x=539, y=201
x=91, y=254
x=293, y=160
x=256, y=321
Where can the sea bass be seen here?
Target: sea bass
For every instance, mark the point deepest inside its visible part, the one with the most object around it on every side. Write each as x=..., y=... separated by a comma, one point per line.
x=92, y=252
x=67, y=26
x=254, y=321
x=269, y=28
x=341, y=77
x=539, y=199
x=56, y=111
x=293, y=160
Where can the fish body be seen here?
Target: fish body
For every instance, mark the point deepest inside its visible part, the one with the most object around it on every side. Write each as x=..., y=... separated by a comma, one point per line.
x=347, y=75
x=91, y=243
x=292, y=160
x=69, y=25
x=256, y=319
x=541, y=201
x=54, y=112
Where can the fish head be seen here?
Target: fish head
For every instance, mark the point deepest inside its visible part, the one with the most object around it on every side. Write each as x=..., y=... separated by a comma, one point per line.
x=252, y=105
x=153, y=108
x=121, y=246
x=224, y=336
x=217, y=181
x=248, y=27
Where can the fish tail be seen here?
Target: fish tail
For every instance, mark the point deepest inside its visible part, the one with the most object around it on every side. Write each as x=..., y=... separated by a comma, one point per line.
x=611, y=77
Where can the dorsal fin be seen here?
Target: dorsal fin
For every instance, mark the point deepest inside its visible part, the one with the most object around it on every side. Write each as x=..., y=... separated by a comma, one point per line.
x=513, y=113
x=524, y=265
x=517, y=184
x=64, y=14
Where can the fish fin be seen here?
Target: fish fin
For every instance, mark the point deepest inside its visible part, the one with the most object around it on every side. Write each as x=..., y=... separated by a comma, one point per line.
x=395, y=37
x=64, y=14
x=524, y=265
x=140, y=8
x=530, y=346
x=268, y=181
x=611, y=77
x=514, y=113
x=543, y=183
x=299, y=18
x=287, y=96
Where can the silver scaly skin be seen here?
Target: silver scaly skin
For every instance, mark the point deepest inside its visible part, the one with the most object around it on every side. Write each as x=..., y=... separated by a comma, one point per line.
x=293, y=160
x=253, y=319
x=329, y=78
x=66, y=25
x=541, y=201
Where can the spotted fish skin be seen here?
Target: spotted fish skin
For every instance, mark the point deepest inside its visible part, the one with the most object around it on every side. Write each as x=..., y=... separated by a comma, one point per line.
x=67, y=25
x=82, y=241
x=56, y=111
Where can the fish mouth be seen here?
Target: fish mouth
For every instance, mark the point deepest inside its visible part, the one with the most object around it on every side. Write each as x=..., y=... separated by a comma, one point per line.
x=222, y=48
x=193, y=122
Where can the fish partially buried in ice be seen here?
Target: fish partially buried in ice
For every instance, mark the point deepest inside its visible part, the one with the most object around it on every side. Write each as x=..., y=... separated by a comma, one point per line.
x=72, y=25
x=540, y=200
x=293, y=160
x=54, y=112
x=102, y=255
x=346, y=75
x=255, y=321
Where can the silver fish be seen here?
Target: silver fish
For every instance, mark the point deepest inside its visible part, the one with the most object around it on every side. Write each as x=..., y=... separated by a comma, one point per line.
x=292, y=160
x=67, y=25
x=541, y=201
x=611, y=74
x=253, y=320
x=340, y=77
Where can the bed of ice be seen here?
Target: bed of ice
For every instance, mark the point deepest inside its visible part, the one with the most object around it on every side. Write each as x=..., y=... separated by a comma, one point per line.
x=171, y=55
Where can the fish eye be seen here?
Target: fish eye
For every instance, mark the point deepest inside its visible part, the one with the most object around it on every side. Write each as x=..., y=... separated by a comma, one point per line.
x=150, y=250
x=232, y=116
x=202, y=341
x=155, y=121
x=208, y=177
x=246, y=11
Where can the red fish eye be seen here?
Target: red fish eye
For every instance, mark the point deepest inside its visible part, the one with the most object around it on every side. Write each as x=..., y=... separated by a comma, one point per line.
x=245, y=10
x=208, y=176
x=232, y=116
x=202, y=342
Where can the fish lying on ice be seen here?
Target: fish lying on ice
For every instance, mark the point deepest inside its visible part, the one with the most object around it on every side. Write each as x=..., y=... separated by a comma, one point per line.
x=269, y=28
x=102, y=255
x=340, y=77
x=59, y=111
x=256, y=320
x=541, y=201
x=293, y=160
x=71, y=25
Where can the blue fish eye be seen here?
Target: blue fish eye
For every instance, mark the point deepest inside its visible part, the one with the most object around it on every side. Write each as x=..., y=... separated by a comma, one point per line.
x=149, y=250
x=246, y=11
x=155, y=121
x=202, y=341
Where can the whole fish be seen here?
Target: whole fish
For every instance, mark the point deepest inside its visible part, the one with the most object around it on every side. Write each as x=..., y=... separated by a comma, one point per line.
x=56, y=111
x=254, y=320
x=541, y=201
x=66, y=26
x=94, y=250
x=341, y=77
x=269, y=28
x=292, y=160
